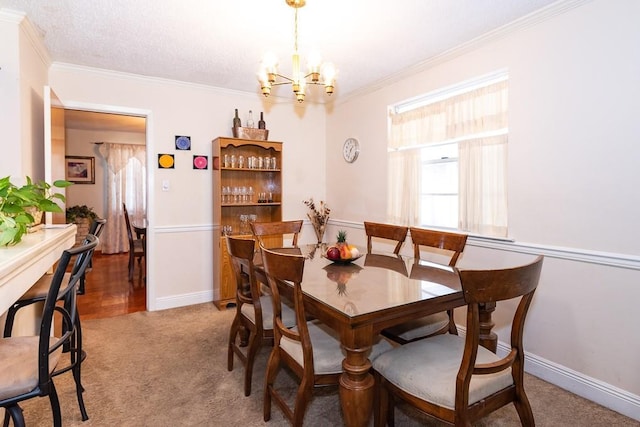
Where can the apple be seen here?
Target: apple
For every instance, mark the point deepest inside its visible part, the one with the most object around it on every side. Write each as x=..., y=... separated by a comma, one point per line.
x=333, y=253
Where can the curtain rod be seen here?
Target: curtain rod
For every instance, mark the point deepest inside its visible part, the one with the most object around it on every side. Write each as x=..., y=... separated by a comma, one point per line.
x=108, y=142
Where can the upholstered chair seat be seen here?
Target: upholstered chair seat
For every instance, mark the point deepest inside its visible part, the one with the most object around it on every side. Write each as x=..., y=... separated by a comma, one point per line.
x=288, y=315
x=327, y=352
x=19, y=368
x=439, y=360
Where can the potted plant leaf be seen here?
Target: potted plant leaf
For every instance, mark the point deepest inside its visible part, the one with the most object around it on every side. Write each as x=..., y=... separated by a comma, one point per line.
x=18, y=204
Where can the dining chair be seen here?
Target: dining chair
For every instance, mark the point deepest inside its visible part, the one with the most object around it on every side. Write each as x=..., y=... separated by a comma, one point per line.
x=443, y=246
x=396, y=233
x=38, y=294
x=96, y=227
x=136, y=246
x=270, y=234
x=254, y=311
x=454, y=378
x=310, y=350
x=29, y=363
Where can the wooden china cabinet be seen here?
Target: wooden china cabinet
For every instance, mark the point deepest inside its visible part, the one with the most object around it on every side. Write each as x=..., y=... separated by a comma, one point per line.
x=247, y=186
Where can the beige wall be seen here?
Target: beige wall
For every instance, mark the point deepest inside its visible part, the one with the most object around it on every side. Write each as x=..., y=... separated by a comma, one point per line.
x=573, y=157
x=181, y=219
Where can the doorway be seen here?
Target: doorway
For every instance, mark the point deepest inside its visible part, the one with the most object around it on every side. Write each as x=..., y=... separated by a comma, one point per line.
x=108, y=290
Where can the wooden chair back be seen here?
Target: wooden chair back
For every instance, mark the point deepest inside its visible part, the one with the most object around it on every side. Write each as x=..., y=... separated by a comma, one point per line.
x=397, y=233
x=264, y=230
x=290, y=268
x=488, y=286
x=280, y=267
x=491, y=392
x=128, y=224
x=454, y=242
x=241, y=252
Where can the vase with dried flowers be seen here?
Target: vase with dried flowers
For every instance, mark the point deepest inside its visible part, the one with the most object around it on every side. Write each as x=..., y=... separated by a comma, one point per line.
x=319, y=216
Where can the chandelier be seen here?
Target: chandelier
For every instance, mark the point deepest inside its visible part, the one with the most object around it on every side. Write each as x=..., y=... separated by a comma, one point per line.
x=318, y=73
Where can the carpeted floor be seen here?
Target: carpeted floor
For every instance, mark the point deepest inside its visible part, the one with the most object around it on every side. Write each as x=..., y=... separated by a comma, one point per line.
x=168, y=368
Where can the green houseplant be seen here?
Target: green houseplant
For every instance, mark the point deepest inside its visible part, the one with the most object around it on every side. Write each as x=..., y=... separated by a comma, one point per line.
x=76, y=212
x=82, y=216
x=18, y=203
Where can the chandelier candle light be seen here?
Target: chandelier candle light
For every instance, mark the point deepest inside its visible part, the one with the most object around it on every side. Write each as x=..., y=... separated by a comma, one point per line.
x=269, y=76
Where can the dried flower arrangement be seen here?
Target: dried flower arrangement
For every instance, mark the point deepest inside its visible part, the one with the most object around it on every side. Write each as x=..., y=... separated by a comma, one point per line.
x=318, y=217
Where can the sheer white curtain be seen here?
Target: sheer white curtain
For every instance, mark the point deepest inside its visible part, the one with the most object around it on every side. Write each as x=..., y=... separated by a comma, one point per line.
x=483, y=189
x=465, y=118
x=126, y=183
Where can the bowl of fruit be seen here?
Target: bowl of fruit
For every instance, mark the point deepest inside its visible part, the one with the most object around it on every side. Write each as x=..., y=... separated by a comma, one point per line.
x=341, y=252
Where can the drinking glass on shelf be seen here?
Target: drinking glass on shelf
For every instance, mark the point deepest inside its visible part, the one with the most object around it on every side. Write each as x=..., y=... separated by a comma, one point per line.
x=244, y=225
x=241, y=162
x=250, y=194
x=243, y=194
x=236, y=194
x=233, y=160
x=225, y=194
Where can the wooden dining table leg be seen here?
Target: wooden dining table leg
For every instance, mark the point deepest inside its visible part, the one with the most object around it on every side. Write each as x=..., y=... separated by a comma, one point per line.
x=356, y=382
x=488, y=338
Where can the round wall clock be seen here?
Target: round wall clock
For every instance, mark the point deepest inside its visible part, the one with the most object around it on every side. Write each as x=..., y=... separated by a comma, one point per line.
x=350, y=150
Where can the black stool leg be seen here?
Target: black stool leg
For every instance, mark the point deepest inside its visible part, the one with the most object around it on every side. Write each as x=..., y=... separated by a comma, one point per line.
x=80, y=356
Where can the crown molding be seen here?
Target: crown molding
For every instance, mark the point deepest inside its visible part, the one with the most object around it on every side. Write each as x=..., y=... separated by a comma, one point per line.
x=33, y=35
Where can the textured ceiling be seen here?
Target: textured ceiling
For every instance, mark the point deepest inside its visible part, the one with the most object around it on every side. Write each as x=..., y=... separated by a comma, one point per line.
x=220, y=43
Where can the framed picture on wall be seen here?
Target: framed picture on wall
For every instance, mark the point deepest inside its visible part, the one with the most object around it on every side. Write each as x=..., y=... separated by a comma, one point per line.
x=80, y=169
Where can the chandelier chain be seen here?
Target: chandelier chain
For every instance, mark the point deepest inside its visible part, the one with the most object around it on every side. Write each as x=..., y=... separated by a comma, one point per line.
x=295, y=32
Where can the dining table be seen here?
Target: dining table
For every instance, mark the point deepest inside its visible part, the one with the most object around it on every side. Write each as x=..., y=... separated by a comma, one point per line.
x=359, y=299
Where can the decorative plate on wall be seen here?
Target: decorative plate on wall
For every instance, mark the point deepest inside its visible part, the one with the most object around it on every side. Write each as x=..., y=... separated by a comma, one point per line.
x=200, y=162
x=183, y=142
x=166, y=161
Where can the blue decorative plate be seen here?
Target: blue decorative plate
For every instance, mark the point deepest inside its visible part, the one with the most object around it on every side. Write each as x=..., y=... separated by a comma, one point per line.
x=183, y=143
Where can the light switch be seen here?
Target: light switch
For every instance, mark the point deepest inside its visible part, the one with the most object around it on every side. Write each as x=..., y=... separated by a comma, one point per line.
x=165, y=185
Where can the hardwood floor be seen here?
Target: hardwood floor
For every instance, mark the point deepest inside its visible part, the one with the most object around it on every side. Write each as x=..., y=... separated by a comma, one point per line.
x=108, y=292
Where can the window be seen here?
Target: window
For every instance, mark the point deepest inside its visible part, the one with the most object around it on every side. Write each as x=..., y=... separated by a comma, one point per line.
x=447, y=158
x=439, y=186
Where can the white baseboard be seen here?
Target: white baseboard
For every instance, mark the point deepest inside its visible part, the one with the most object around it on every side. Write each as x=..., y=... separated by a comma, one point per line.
x=592, y=389
x=628, y=404
x=183, y=300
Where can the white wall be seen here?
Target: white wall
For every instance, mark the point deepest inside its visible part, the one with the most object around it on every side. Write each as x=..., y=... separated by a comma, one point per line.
x=573, y=168
x=10, y=161
x=180, y=247
x=22, y=80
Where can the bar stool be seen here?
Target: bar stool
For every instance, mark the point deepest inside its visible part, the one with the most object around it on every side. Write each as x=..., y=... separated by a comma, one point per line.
x=29, y=363
x=38, y=293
